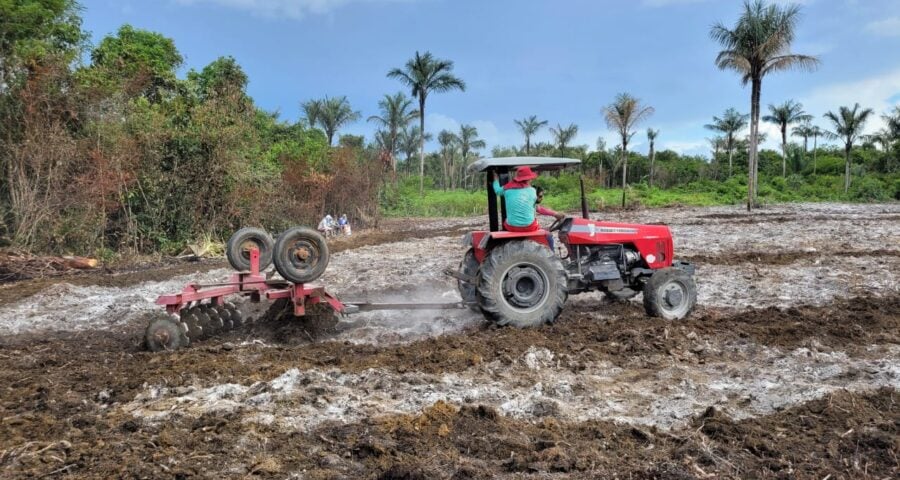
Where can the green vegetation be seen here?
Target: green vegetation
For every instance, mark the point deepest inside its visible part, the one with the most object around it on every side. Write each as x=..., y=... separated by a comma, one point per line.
x=105, y=149
x=563, y=194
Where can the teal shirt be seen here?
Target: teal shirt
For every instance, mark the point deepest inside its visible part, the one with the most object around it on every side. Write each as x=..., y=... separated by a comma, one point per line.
x=520, y=204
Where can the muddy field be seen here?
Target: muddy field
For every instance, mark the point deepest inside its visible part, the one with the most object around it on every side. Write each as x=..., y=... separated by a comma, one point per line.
x=788, y=368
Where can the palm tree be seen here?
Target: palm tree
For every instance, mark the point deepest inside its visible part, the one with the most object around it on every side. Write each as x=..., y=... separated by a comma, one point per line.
x=408, y=142
x=651, y=137
x=468, y=142
x=529, y=126
x=882, y=137
x=783, y=115
x=815, y=132
x=759, y=44
x=848, y=126
x=892, y=119
x=804, y=131
x=424, y=74
x=330, y=114
x=563, y=136
x=448, y=142
x=622, y=116
x=396, y=113
x=730, y=124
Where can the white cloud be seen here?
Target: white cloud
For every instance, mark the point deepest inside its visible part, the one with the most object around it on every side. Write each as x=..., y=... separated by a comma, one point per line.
x=888, y=27
x=686, y=147
x=295, y=9
x=876, y=92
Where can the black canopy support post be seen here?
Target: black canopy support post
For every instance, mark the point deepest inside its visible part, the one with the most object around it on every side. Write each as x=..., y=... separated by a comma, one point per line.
x=492, y=201
x=584, y=209
x=504, y=179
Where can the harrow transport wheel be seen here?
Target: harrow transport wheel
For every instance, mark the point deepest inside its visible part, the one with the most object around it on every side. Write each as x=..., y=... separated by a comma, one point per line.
x=242, y=241
x=301, y=255
x=468, y=291
x=522, y=284
x=165, y=333
x=670, y=293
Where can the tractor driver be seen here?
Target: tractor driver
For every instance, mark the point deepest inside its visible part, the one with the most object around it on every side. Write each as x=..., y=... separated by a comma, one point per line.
x=542, y=210
x=521, y=199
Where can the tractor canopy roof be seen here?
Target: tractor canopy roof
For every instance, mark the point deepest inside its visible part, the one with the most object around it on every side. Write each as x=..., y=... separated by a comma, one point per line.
x=536, y=163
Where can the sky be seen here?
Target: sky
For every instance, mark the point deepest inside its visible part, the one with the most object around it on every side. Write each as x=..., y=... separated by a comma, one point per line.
x=561, y=60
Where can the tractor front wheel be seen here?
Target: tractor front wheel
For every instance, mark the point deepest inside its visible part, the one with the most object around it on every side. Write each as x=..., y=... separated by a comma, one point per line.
x=670, y=293
x=522, y=284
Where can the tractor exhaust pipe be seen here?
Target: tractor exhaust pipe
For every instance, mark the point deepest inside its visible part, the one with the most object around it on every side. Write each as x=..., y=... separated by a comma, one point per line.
x=584, y=209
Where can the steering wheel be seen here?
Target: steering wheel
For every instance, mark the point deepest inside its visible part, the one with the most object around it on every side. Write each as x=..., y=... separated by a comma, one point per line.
x=557, y=224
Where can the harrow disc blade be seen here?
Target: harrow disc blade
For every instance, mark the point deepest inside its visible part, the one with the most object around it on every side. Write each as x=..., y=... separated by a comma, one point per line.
x=194, y=328
x=224, y=315
x=210, y=326
x=166, y=333
x=236, y=318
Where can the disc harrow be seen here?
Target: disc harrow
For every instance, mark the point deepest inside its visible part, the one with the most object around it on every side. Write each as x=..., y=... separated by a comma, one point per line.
x=300, y=255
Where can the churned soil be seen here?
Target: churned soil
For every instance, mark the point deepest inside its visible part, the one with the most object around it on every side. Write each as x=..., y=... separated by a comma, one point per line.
x=789, y=368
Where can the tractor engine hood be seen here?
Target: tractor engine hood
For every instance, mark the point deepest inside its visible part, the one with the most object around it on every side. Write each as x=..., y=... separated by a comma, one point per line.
x=653, y=242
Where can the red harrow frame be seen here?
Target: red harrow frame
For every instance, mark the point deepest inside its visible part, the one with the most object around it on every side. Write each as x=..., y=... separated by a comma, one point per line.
x=199, y=311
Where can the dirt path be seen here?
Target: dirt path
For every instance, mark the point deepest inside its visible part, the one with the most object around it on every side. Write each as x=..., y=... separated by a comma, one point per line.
x=789, y=368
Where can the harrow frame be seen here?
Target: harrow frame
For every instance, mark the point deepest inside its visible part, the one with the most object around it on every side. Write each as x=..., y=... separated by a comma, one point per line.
x=254, y=285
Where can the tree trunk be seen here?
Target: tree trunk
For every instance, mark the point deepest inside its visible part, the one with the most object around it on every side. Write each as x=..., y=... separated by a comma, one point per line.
x=392, y=147
x=624, y=168
x=527, y=145
x=847, y=167
x=652, y=158
x=754, y=129
x=784, y=151
x=815, y=139
x=730, y=157
x=422, y=145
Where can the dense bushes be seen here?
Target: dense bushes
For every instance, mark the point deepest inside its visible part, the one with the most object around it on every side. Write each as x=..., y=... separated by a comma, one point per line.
x=120, y=154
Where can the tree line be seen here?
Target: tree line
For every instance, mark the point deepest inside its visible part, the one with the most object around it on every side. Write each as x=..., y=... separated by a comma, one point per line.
x=105, y=148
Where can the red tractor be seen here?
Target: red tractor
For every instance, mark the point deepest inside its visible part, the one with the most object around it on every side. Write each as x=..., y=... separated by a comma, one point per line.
x=515, y=278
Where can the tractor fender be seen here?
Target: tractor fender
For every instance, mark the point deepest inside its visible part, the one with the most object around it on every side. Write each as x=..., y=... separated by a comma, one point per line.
x=487, y=241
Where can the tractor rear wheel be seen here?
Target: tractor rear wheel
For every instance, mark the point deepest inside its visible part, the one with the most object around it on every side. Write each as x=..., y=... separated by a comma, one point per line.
x=522, y=284
x=242, y=241
x=301, y=255
x=468, y=291
x=670, y=293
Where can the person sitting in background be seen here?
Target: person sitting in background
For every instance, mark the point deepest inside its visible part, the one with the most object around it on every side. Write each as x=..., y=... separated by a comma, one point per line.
x=521, y=199
x=326, y=226
x=542, y=210
x=344, y=224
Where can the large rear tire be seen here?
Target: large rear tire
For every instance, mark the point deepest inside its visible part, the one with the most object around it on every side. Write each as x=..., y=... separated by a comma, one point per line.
x=670, y=293
x=301, y=255
x=522, y=284
x=242, y=241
